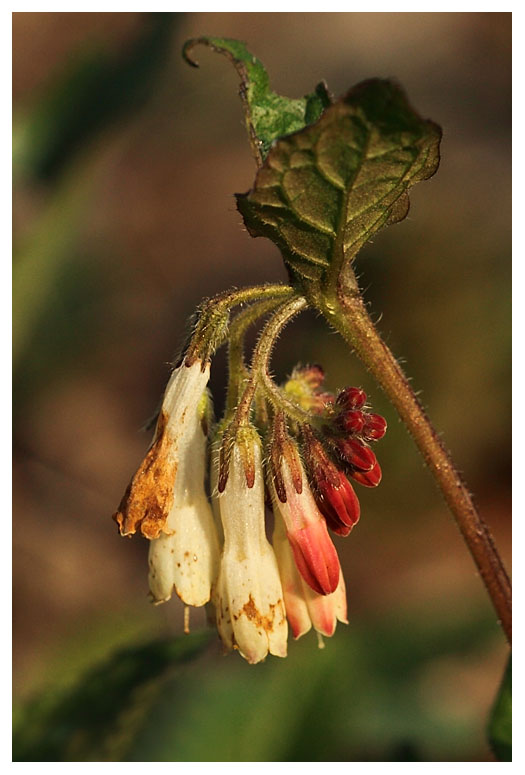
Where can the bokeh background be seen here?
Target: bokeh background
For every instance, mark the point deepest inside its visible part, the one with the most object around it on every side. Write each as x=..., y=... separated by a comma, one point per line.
x=125, y=165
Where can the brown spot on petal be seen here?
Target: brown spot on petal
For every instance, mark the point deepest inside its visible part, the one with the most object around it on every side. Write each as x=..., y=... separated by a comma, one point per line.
x=251, y=612
x=149, y=496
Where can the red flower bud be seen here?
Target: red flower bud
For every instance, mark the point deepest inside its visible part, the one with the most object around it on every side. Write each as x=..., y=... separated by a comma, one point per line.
x=352, y=421
x=374, y=427
x=339, y=505
x=368, y=478
x=351, y=398
x=333, y=492
x=356, y=453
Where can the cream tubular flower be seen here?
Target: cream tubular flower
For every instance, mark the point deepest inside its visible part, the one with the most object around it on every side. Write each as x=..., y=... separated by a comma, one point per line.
x=249, y=599
x=166, y=498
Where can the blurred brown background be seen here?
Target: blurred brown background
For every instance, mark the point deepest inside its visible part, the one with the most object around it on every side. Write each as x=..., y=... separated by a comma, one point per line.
x=126, y=161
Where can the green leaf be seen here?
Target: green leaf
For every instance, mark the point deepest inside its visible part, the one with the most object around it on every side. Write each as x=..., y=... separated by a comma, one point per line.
x=500, y=724
x=98, y=719
x=268, y=115
x=325, y=190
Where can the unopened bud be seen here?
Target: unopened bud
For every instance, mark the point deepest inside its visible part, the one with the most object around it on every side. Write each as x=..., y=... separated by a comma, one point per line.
x=374, y=427
x=351, y=421
x=333, y=493
x=351, y=398
x=356, y=453
x=368, y=478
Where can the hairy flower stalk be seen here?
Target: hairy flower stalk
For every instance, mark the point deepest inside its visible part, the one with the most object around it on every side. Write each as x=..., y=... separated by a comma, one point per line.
x=251, y=615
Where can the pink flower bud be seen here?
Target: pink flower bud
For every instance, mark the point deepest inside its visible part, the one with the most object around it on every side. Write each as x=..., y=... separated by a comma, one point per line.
x=315, y=555
x=314, y=552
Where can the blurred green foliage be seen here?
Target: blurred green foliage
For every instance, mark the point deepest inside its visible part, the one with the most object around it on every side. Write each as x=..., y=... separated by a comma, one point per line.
x=87, y=97
x=96, y=90
x=500, y=726
x=355, y=700
x=99, y=717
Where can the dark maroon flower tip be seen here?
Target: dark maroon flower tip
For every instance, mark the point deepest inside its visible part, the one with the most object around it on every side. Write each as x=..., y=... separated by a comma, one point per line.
x=351, y=398
x=356, y=453
x=368, y=478
x=339, y=504
x=351, y=421
x=374, y=427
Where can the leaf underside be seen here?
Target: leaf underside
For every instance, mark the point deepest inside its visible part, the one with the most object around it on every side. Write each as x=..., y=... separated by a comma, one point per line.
x=325, y=190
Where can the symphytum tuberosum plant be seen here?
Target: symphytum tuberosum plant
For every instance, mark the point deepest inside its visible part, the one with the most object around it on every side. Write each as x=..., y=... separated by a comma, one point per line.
x=330, y=175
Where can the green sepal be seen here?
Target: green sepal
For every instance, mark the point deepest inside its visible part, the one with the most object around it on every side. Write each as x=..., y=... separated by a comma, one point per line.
x=324, y=191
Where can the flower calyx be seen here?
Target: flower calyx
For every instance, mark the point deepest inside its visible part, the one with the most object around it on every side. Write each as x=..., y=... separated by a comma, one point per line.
x=284, y=451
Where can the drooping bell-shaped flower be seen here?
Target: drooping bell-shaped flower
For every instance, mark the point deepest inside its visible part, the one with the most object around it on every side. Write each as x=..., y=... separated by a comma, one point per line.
x=249, y=598
x=305, y=607
x=314, y=553
x=166, y=498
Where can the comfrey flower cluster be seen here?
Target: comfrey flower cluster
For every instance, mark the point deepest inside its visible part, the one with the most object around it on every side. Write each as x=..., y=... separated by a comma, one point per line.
x=293, y=450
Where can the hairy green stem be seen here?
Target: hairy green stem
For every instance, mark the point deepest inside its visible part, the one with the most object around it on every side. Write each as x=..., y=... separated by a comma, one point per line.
x=214, y=317
x=238, y=373
x=263, y=351
x=260, y=360
x=346, y=312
